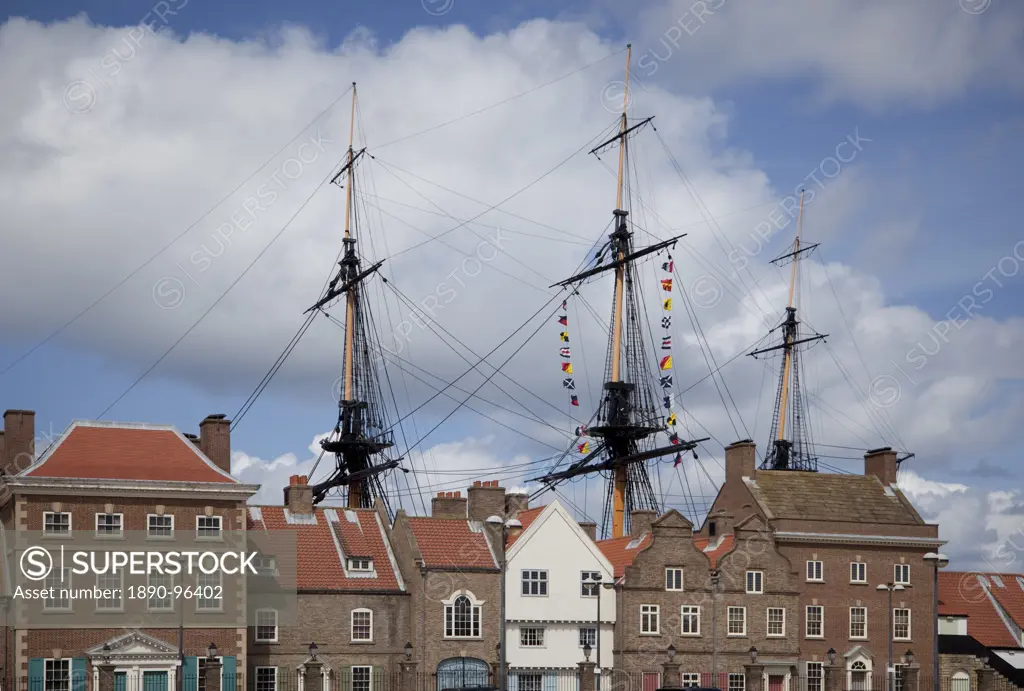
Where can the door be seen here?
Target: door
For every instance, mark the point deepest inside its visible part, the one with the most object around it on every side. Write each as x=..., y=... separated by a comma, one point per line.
x=461, y=673
x=776, y=682
x=651, y=681
x=858, y=680
x=154, y=681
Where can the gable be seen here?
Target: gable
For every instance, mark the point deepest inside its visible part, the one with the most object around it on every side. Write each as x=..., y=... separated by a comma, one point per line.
x=556, y=522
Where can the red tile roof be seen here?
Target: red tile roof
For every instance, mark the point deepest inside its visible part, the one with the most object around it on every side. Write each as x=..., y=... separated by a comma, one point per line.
x=123, y=451
x=1010, y=595
x=719, y=551
x=319, y=563
x=621, y=551
x=961, y=594
x=526, y=517
x=452, y=542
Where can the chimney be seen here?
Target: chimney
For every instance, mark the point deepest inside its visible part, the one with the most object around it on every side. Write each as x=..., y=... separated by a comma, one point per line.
x=19, y=447
x=192, y=438
x=640, y=521
x=215, y=440
x=590, y=528
x=882, y=464
x=298, y=495
x=486, y=499
x=516, y=502
x=740, y=461
x=448, y=505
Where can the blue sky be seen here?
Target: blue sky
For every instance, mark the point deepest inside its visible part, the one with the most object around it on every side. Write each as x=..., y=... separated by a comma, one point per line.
x=929, y=207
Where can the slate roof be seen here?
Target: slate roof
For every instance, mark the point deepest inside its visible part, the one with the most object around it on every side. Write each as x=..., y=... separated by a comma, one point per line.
x=126, y=451
x=961, y=594
x=826, y=496
x=452, y=543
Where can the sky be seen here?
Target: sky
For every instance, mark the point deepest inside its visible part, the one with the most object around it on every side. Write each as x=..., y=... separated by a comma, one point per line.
x=168, y=216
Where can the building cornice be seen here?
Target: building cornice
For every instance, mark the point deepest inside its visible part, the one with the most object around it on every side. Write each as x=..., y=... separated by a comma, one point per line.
x=26, y=485
x=855, y=539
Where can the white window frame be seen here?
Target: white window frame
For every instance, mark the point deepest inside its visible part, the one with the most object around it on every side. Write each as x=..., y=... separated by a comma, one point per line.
x=120, y=591
x=588, y=628
x=689, y=680
x=219, y=600
x=649, y=613
x=815, y=571
x=897, y=574
x=256, y=678
x=257, y=626
x=692, y=616
x=109, y=536
x=737, y=677
x=66, y=533
x=539, y=634
x=476, y=617
x=865, y=635
x=807, y=622
x=352, y=625
x=758, y=584
x=531, y=578
x=818, y=679
x=671, y=572
x=149, y=526
x=170, y=593
x=728, y=621
x=589, y=587
x=63, y=662
x=858, y=572
x=369, y=677
x=220, y=528
x=909, y=635
x=768, y=622
x=360, y=564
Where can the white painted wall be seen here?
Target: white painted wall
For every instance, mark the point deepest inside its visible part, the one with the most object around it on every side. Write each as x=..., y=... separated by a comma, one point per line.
x=952, y=626
x=555, y=542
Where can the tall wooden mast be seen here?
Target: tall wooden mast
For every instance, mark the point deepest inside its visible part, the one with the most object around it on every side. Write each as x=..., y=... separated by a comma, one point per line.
x=787, y=359
x=355, y=489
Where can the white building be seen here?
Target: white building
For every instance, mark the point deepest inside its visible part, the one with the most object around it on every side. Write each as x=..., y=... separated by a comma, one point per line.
x=551, y=599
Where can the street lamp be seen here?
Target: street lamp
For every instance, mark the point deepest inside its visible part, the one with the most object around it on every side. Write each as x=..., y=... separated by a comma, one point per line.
x=586, y=651
x=512, y=523
x=831, y=657
x=106, y=653
x=909, y=657
x=938, y=561
x=312, y=651
x=753, y=655
x=408, y=651
x=890, y=588
x=211, y=651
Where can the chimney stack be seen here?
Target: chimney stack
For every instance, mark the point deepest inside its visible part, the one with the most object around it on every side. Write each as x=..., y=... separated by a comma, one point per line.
x=882, y=464
x=516, y=502
x=19, y=441
x=215, y=440
x=640, y=521
x=448, y=505
x=740, y=461
x=590, y=528
x=486, y=499
x=298, y=495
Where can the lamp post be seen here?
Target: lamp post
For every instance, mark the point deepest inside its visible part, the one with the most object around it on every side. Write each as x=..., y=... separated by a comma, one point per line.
x=890, y=587
x=938, y=561
x=496, y=522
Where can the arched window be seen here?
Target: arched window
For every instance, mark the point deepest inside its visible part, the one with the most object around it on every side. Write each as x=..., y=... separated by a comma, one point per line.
x=462, y=617
x=961, y=681
x=858, y=666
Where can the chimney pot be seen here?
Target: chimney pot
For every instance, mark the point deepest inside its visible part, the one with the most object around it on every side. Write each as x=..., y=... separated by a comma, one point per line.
x=298, y=496
x=447, y=505
x=476, y=483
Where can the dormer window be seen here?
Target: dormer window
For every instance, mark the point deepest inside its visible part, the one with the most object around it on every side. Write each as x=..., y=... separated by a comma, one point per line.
x=360, y=564
x=711, y=529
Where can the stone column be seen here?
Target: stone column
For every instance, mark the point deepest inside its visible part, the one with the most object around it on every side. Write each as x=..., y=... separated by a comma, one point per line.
x=313, y=679
x=106, y=674
x=755, y=677
x=670, y=675
x=409, y=676
x=911, y=677
x=834, y=677
x=587, y=675
x=211, y=673
x=986, y=679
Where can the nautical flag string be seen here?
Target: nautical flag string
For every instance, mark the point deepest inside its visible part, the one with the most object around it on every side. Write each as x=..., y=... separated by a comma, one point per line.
x=568, y=383
x=668, y=266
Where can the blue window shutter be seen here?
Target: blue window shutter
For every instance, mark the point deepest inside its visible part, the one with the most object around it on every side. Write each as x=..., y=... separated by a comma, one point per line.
x=78, y=665
x=36, y=673
x=228, y=680
x=190, y=674
x=550, y=681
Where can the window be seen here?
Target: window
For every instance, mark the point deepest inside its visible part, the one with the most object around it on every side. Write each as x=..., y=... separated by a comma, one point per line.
x=159, y=526
x=776, y=622
x=858, y=622
x=109, y=584
x=815, y=676
x=362, y=678
x=362, y=625
x=266, y=679
x=531, y=636
x=858, y=572
x=737, y=617
x=161, y=592
x=649, y=623
x=689, y=618
x=210, y=592
x=897, y=677
x=58, y=585
x=588, y=636
x=57, y=675
x=360, y=564
x=737, y=682
x=109, y=525
x=531, y=682
x=590, y=583
x=56, y=523
x=901, y=574
x=815, y=622
x=711, y=529
x=814, y=571
x=755, y=582
x=200, y=674
x=673, y=578
x=266, y=626
x=690, y=680
x=961, y=681
x=462, y=619
x=208, y=527
x=535, y=583
x=901, y=624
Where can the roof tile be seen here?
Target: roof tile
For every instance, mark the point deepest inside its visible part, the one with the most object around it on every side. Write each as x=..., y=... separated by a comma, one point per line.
x=960, y=594
x=823, y=496
x=447, y=542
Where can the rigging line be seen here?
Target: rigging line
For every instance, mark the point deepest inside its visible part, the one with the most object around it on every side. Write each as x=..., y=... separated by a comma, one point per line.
x=503, y=102
x=760, y=400
x=573, y=505
x=503, y=201
x=218, y=300
x=872, y=415
x=536, y=417
x=167, y=246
